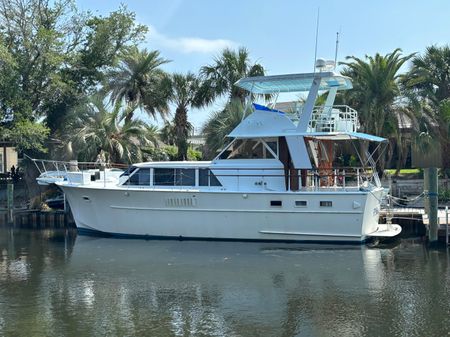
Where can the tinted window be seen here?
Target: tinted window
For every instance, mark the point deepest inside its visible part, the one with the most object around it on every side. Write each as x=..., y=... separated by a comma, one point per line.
x=164, y=176
x=144, y=176
x=140, y=177
x=326, y=203
x=129, y=170
x=185, y=177
x=207, y=178
x=273, y=144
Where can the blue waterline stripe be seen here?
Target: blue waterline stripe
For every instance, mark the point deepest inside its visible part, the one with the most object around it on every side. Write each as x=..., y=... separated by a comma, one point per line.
x=92, y=232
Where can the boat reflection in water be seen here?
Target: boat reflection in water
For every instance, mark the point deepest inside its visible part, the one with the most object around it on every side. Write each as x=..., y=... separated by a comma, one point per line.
x=99, y=286
x=217, y=288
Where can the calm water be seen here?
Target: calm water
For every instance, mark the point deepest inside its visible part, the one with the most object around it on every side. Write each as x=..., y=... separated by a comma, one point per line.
x=53, y=284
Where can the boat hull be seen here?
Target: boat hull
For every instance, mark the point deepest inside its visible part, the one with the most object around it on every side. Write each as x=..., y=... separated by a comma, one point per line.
x=224, y=215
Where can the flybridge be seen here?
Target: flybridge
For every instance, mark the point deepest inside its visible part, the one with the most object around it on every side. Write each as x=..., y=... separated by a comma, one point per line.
x=334, y=122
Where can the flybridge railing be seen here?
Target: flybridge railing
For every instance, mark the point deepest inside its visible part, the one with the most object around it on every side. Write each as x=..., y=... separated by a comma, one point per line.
x=338, y=118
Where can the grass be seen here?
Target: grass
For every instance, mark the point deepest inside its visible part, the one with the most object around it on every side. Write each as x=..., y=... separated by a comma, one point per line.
x=404, y=171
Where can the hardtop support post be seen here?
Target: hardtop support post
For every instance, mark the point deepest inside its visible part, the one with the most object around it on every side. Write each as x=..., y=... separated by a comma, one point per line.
x=305, y=117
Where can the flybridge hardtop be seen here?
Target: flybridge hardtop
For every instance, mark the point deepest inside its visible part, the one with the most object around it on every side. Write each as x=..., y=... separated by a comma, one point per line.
x=285, y=176
x=293, y=83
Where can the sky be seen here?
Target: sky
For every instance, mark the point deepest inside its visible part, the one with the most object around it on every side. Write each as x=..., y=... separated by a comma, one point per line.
x=280, y=34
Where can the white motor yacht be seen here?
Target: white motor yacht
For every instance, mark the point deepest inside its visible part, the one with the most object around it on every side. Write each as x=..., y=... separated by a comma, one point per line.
x=280, y=178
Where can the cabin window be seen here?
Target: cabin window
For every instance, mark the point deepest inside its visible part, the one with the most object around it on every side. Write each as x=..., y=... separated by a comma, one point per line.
x=207, y=178
x=326, y=204
x=164, y=176
x=174, y=177
x=273, y=145
x=301, y=203
x=251, y=149
x=276, y=203
x=129, y=171
x=1, y=162
x=141, y=177
x=185, y=177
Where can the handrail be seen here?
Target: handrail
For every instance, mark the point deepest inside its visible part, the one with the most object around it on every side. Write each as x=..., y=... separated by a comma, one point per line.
x=75, y=164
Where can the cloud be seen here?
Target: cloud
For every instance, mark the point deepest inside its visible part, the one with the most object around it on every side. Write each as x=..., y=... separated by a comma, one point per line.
x=188, y=45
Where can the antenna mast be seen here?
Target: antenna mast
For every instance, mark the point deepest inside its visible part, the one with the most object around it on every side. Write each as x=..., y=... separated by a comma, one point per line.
x=317, y=37
x=337, y=47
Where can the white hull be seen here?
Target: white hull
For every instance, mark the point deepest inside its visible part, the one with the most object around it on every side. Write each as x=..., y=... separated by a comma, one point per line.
x=225, y=215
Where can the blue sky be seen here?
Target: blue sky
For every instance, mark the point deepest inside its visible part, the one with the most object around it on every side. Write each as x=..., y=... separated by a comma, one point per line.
x=281, y=34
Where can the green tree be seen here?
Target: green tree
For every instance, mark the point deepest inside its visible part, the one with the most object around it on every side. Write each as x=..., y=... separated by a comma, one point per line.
x=167, y=133
x=188, y=91
x=98, y=133
x=375, y=94
x=428, y=93
x=375, y=88
x=58, y=55
x=27, y=135
x=227, y=69
x=139, y=81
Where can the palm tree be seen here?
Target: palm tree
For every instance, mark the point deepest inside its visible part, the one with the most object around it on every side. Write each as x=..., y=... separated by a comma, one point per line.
x=375, y=88
x=375, y=93
x=97, y=133
x=428, y=85
x=139, y=81
x=187, y=91
x=220, y=124
x=228, y=68
x=167, y=133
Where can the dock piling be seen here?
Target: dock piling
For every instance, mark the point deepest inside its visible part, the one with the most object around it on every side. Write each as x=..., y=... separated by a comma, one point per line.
x=426, y=189
x=446, y=225
x=433, y=205
x=10, y=202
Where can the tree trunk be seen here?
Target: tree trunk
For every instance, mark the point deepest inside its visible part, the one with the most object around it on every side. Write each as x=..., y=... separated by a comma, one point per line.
x=181, y=132
x=129, y=117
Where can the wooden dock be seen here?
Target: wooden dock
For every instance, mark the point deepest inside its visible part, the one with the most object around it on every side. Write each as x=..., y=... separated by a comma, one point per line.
x=24, y=218
x=416, y=221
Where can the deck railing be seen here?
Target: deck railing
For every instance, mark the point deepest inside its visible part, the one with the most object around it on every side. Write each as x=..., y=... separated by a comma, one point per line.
x=46, y=165
x=275, y=179
x=233, y=178
x=334, y=178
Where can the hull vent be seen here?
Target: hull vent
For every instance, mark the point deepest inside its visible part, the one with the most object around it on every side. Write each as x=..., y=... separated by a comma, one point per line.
x=181, y=202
